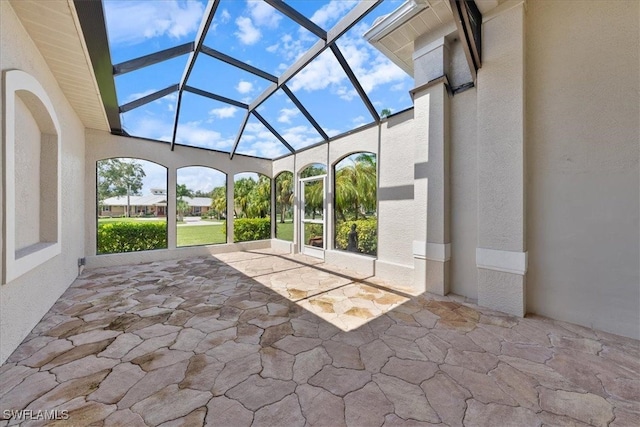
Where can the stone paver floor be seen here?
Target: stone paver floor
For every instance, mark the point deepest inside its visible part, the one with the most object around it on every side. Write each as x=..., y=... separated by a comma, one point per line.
x=260, y=338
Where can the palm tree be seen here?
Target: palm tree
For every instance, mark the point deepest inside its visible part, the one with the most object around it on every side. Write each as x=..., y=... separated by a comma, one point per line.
x=242, y=189
x=260, y=198
x=313, y=197
x=366, y=182
x=182, y=207
x=284, y=193
x=346, y=191
x=219, y=200
x=355, y=186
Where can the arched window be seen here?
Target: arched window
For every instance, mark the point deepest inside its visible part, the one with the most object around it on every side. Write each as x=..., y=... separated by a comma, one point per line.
x=355, y=204
x=132, y=205
x=251, y=207
x=284, y=206
x=201, y=204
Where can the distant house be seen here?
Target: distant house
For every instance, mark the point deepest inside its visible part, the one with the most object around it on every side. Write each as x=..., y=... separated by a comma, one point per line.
x=154, y=204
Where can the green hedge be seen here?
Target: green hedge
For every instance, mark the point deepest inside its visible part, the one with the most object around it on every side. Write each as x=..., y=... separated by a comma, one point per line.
x=117, y=237
x=367, y=235
x=247, y=229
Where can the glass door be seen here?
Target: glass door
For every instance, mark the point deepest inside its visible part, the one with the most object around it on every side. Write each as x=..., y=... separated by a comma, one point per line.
x=312, y=216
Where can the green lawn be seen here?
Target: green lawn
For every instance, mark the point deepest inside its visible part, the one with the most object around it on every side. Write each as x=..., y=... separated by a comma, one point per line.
x=204, y=234
x=201, y=235
x=285, y=231
x=108, y=220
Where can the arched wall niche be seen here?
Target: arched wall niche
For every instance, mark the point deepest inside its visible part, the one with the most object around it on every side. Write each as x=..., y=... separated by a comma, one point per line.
x=32, y=208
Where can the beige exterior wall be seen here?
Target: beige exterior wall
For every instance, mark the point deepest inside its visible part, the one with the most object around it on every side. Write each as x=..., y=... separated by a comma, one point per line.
x=583, y=180
x=464, y=194
x=27, y=168
x=544, y=176
x=25, y=300
x=396, y=198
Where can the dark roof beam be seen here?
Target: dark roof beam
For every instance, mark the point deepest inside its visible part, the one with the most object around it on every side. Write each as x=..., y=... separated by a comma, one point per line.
x=354, y=81
x=212, y=6
x=147, y=99
x=354, y=16
x=351, y=19
x=239, y=64
x=297, y=17
x=273, y=131
x=209, y=12
x=263, y=96
x=154, y=58
x=242, y=126
x=345, y=24
x=175, y=122
x=304, y=111
x=216, y=97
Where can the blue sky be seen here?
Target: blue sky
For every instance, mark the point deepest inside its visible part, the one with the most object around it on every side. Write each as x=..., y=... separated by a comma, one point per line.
x=253, y=32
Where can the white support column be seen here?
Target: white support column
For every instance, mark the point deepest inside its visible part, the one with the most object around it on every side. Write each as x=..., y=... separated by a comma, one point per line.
x=230, y=205
x=329, y=219
x=431, y=245
x=172, y=221
x=501, y=254
x=273, y=214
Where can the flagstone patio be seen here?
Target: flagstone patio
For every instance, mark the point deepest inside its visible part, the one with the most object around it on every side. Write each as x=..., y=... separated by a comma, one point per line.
x=262, y=338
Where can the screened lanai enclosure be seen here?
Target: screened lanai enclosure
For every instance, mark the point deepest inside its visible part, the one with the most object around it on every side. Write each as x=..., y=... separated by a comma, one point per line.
x=266, y=80
x=326, y=212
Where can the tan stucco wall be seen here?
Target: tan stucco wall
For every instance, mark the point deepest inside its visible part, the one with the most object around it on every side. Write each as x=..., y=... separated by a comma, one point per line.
x=582, y=158
x=464, y=195
x=27, y=170
x=26, y=299
x=395, y=196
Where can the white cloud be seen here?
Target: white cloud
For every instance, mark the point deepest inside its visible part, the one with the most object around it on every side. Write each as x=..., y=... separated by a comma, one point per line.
x=257, y=140
x=225, y=16
x=286, y=114
x=263, y=14
x=253, y=127
x=223, y=112
x=301, y=136
x=191, y=133
x=330, y=12
x=292, y=48
x=200, y=178
x=244, y=86
x=370, y=67
x=264, y=148
x=331, y=132
x=149, y=127
x=247, y=33
x=133, y=22
x=155, y=176
x=319, y=74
